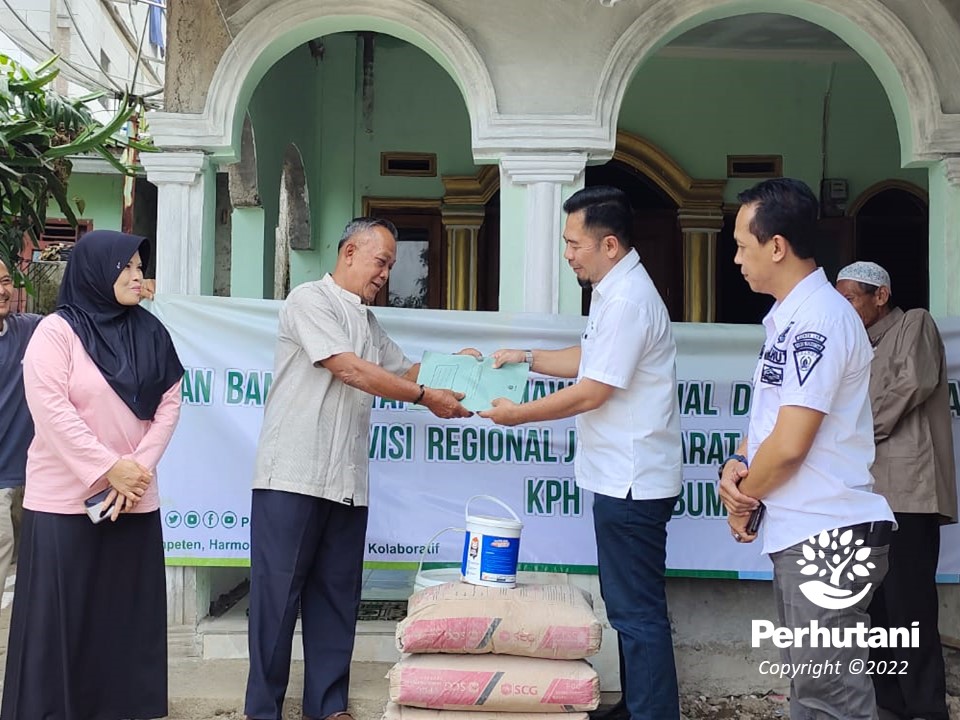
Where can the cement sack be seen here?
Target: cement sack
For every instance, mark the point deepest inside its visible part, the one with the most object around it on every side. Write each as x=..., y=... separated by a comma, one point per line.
x=542, y=621
x=399, y=712
x=494, y=683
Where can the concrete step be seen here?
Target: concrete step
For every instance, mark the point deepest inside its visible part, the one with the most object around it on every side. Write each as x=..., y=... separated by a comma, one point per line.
x=225, y=638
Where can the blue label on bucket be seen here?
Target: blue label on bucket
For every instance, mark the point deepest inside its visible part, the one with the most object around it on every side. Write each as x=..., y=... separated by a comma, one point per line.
x=490, y=558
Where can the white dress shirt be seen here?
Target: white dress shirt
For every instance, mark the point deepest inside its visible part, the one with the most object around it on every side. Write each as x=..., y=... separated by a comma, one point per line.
x=631, y=443
x=817, y=355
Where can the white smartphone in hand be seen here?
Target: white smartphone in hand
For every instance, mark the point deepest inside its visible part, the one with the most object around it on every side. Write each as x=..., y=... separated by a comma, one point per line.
x=97, y=508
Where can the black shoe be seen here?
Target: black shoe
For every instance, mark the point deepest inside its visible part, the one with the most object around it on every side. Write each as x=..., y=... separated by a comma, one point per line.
x=611, y=712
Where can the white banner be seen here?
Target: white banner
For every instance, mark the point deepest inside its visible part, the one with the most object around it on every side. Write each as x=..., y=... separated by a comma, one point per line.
x=423, y=470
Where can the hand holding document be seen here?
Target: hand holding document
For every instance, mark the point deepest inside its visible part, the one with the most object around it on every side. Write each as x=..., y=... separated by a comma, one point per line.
x=476, y=378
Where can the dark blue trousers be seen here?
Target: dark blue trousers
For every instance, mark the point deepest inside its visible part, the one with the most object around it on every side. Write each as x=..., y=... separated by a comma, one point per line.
x=631, y=556
x=305, y=553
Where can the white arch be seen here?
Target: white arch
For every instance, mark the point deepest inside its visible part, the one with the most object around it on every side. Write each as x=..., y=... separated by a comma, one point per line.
x=868, y=26
x=276, y=28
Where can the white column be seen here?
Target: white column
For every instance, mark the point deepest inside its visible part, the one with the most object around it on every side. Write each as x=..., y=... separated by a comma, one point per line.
x=543, y=177
x=182, y=218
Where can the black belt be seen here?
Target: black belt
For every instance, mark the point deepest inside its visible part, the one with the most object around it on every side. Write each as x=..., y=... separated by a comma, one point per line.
x=874, y=534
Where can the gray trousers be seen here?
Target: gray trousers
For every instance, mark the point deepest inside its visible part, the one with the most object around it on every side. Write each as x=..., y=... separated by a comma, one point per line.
x=11, y=504
x=831, y=696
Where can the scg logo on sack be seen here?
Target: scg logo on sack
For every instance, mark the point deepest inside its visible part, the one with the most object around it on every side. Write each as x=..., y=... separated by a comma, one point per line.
x=515, y=689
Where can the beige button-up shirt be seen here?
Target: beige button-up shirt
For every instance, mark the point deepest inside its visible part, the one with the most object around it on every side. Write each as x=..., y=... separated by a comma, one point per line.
x=315, y=434
x=914, y=467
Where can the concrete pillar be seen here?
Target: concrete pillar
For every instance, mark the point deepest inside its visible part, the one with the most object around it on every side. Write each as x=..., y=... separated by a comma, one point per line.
x=531, y=231
x=944, y=257
x=700, y=230
x=186, y=194
x=461, y=228
x=186, y=197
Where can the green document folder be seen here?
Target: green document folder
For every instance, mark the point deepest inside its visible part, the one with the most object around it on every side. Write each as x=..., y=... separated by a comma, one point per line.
x=476, y=379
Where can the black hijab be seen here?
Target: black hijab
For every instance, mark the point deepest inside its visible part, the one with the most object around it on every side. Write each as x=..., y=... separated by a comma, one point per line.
x=130, y=346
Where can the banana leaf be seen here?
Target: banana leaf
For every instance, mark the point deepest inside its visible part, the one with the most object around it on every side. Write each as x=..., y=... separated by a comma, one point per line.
x=102, y=136
x=119, y=166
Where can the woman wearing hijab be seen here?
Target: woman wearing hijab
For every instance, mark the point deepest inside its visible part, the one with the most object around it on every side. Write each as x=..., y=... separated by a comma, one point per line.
x=88, y=630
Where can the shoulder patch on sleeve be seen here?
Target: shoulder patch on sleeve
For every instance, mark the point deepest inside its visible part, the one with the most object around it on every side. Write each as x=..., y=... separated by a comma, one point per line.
x=807, y=350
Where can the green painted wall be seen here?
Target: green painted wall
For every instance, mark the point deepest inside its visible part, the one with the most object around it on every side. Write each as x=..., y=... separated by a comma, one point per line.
x=103, y=195
x=417, y=108
x=283, y=110
x=696, y=110
x=513, y=214
x=318, y=105
x=944, y=244
x=247, y=239
x=699, y=111
x=336, y=135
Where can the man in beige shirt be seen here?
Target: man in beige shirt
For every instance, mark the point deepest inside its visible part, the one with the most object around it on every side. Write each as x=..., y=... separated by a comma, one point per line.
x=914, y=471
x=309, y=510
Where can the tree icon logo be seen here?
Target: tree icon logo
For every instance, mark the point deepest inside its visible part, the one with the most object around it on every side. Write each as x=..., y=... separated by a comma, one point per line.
x=828, y=553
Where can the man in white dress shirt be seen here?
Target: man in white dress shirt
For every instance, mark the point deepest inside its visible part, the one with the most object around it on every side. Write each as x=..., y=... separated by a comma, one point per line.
x=808, y=451
x=628, y=436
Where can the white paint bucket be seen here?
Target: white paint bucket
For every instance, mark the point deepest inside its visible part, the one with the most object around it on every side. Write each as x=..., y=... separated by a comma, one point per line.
x=491, y=547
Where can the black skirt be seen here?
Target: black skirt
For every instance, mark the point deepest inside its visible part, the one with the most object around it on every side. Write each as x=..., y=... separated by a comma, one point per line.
x=88, y=633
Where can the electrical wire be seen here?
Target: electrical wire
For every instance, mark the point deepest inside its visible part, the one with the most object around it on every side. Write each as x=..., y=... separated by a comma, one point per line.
x=127, y=36
x=96, y=83
x=226, y=25
x=83, y=40
x=136, y=64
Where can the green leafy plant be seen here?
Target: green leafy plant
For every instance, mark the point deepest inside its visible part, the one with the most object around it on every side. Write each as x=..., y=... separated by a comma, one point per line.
x=39, y=131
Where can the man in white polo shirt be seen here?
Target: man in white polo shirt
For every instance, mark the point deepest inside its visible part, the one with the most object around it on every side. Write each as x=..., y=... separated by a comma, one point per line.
x=808, y=451
x=628, y=436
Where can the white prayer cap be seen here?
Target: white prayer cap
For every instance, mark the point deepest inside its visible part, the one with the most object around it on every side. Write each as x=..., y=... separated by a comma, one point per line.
x=866, y=272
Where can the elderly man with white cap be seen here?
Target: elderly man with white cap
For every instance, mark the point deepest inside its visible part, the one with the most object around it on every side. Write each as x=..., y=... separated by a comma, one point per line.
x=914, y=470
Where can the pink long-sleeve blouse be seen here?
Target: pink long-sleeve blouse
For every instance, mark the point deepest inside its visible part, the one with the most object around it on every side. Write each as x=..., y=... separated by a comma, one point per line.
x=82, y=425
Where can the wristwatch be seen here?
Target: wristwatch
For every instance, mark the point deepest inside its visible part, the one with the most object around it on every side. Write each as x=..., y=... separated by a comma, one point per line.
x=735, y=456
x=528, y=357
